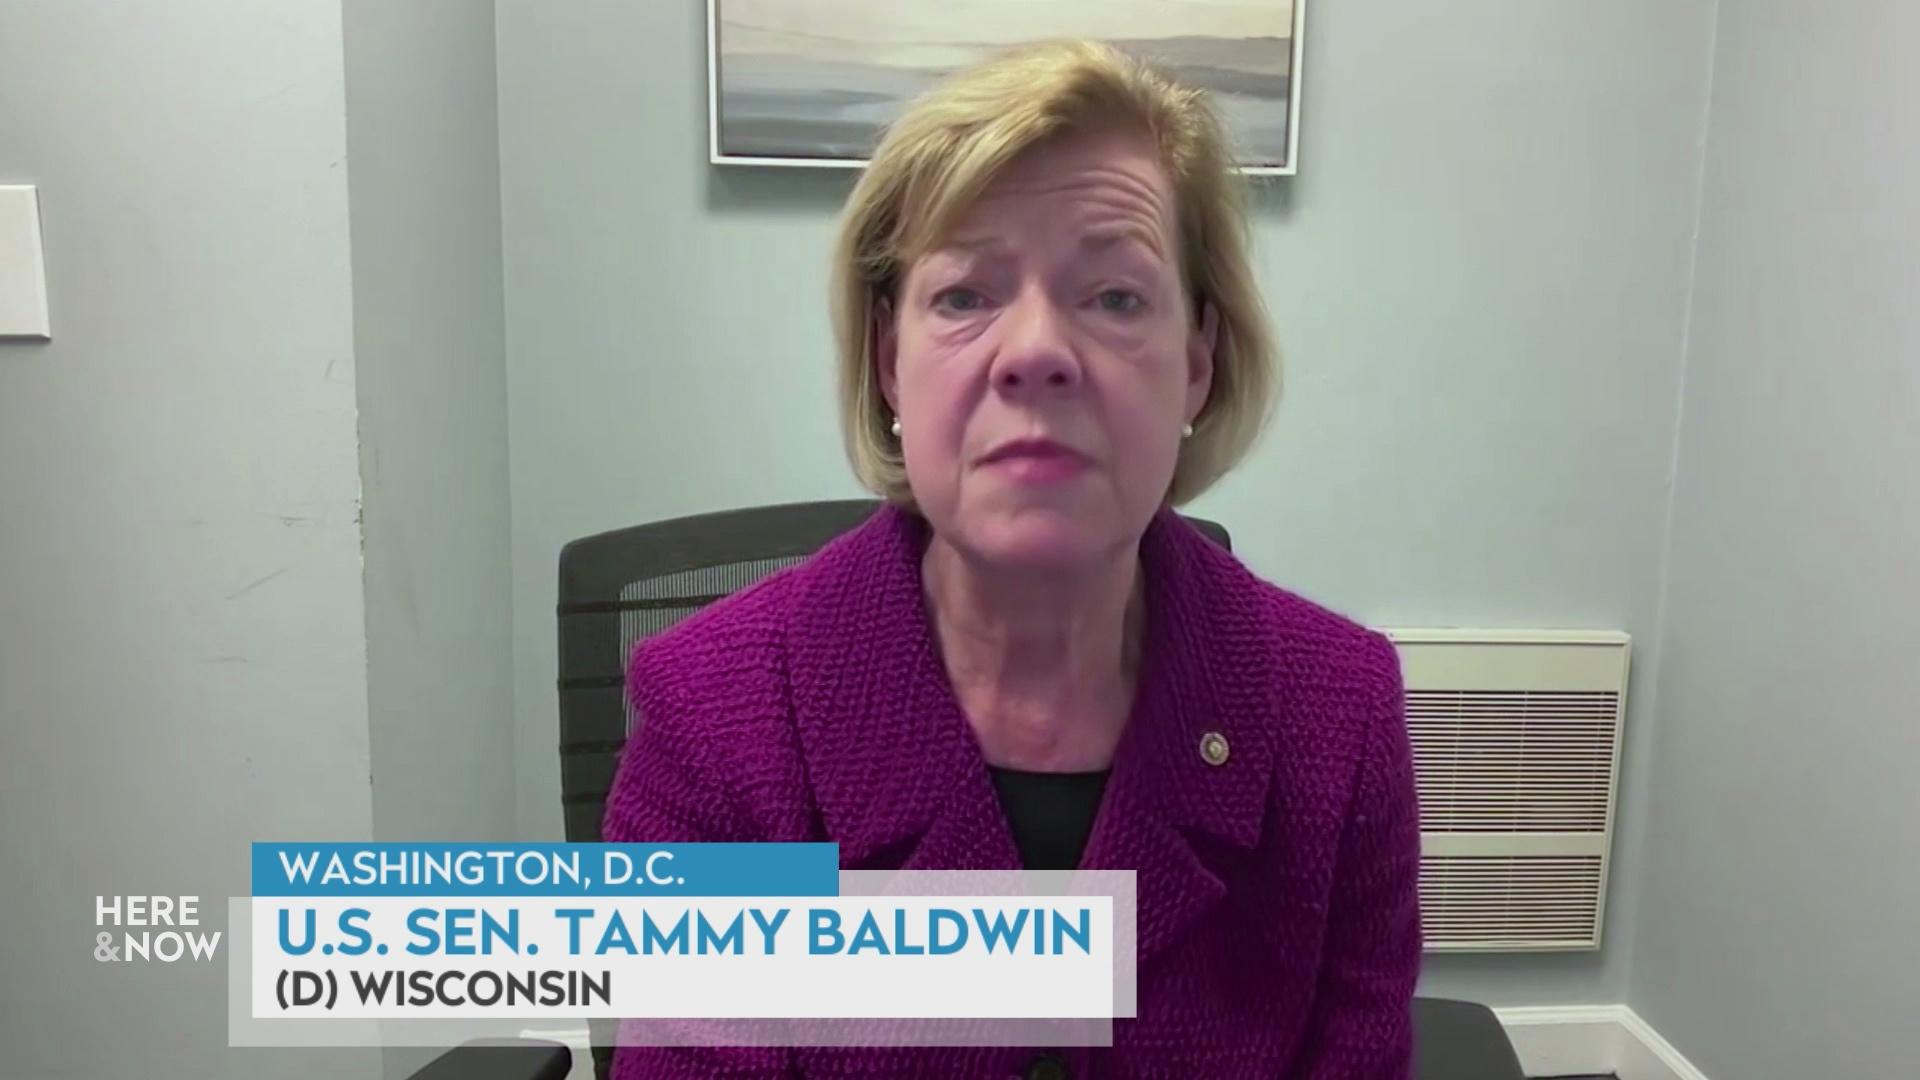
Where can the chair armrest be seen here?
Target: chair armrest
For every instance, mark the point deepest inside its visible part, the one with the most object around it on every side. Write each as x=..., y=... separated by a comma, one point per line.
x=1460, y=1040
x=500, y=1059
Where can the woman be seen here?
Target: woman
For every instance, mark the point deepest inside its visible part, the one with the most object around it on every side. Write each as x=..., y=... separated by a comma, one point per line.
x=1048, y=333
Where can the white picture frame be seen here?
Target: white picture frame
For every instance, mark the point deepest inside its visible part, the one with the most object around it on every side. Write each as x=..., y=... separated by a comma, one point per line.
x=736, y=137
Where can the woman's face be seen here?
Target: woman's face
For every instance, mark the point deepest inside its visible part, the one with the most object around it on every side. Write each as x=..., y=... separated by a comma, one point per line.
x=1043, y=360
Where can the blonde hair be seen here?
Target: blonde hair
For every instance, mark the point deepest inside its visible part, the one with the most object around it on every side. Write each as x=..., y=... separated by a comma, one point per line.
x=938, y=158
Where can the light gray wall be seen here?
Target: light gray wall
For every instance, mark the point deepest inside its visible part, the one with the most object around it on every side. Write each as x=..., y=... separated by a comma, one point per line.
x=182, y=639
x=1776, y=935
x=1480, y=277
x=423, y=155
x=424, y=176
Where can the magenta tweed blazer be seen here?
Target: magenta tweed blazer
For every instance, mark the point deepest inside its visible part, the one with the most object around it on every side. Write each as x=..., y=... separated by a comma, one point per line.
x=1278, y=928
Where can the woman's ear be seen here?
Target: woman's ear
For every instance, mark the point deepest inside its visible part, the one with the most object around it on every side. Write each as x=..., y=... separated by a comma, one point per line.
x=886, y=351
x=1203, y=340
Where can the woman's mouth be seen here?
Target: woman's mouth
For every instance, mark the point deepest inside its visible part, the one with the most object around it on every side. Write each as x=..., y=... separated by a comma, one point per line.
x=1036, y=461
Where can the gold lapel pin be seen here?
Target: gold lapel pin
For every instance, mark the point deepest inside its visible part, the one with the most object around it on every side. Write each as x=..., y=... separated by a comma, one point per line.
x=1213, y=748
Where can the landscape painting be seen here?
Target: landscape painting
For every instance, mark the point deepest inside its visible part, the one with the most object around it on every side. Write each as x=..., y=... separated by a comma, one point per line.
x=813, y=82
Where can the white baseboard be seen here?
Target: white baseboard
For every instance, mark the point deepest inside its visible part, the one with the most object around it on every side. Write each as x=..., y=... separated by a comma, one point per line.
x=1585, y=1040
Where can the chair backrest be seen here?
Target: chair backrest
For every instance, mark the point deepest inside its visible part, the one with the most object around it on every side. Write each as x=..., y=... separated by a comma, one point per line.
x=619, y=587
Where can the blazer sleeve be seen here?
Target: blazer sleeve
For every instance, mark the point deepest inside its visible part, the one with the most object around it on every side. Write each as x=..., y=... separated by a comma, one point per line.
x=672, y=787
x=1362, y=1020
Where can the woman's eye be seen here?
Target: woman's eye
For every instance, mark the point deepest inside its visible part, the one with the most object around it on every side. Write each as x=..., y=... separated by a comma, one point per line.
x=959, y=299
x=1120, y=301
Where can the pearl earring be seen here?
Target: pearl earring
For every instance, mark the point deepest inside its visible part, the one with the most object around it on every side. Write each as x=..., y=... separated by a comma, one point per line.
x=1186, y=431
x=896, y=427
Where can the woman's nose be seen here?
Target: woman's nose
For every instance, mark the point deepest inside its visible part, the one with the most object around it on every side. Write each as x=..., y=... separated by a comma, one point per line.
x=1037, y=352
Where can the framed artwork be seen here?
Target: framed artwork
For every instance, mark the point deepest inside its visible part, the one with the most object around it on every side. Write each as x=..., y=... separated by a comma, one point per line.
x=813, y=82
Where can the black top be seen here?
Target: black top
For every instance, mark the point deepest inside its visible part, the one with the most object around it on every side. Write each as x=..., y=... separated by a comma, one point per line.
x=1051, y=813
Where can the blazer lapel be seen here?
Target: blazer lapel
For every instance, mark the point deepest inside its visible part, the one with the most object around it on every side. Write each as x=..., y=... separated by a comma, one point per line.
x=896, y=771
x=1171, y=814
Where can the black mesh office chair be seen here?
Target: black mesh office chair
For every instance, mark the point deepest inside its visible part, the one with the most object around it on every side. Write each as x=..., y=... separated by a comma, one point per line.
x=619, y=587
